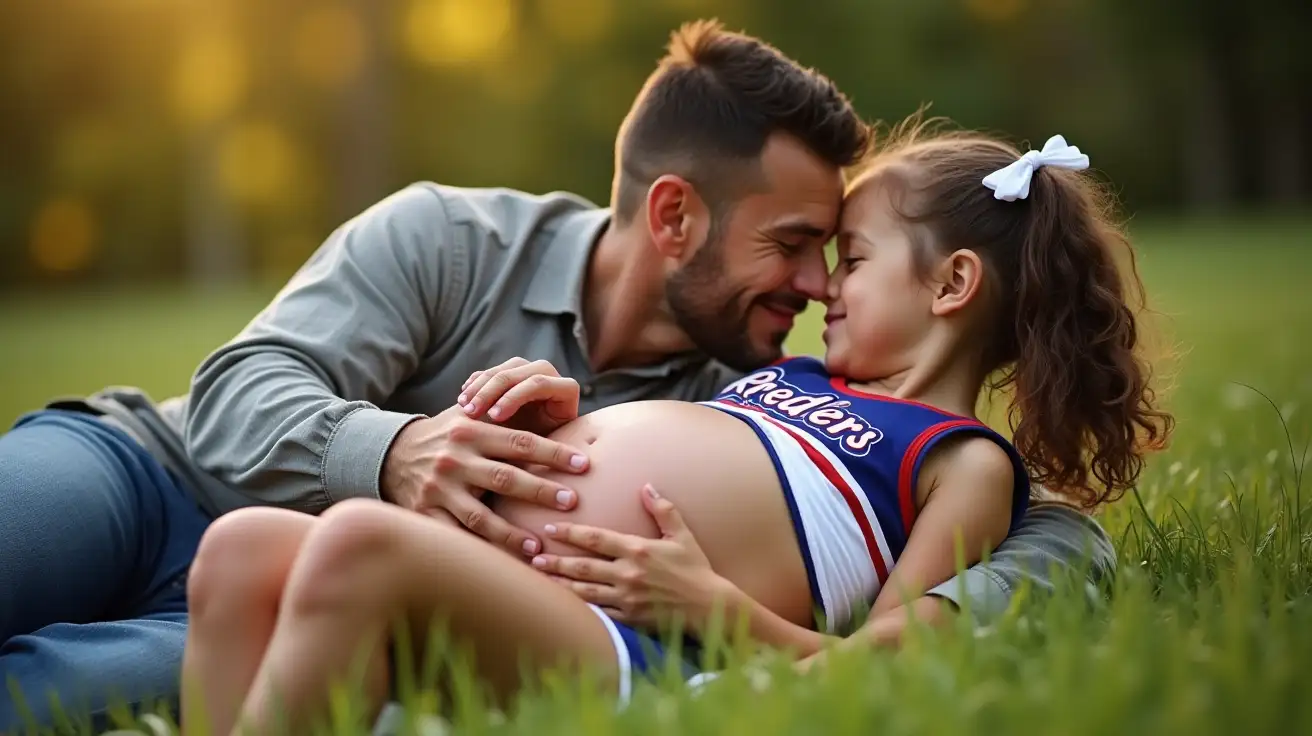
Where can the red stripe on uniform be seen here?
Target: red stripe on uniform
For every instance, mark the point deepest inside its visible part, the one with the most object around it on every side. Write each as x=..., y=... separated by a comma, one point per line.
x=840, y=384
x=905, y=493
x=833, y=476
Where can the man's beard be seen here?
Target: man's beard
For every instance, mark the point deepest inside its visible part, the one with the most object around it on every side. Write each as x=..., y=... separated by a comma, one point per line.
x=714, y=314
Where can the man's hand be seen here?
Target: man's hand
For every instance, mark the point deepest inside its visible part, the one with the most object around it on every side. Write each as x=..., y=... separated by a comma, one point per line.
x=443, y=463
x=530, y=396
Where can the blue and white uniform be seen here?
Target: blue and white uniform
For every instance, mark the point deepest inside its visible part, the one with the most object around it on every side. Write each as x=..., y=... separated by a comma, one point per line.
x=848, y=463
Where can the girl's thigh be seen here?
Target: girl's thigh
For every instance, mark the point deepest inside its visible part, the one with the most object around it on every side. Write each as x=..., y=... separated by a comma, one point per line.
x=510, y=619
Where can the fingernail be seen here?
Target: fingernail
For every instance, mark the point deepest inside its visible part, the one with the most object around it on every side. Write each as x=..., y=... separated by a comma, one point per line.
x=469, y=408
x=577, y=461
x=651, y=491
x=461, y=399
x=550, y=528
x=564, y=498
x=494, y=412
x=530, y=546
x=539, y=562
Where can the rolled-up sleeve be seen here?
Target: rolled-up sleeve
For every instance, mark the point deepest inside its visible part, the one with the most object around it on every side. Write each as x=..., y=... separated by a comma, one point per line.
x=1051, y=541
x=288, y=411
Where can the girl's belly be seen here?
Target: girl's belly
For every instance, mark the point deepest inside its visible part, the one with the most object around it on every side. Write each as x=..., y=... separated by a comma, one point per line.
x=711, y=466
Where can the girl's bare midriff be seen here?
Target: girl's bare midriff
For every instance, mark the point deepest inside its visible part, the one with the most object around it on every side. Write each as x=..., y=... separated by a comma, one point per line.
x=714, y=469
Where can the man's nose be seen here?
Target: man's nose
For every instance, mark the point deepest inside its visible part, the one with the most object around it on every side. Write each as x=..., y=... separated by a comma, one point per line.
x=812, y=277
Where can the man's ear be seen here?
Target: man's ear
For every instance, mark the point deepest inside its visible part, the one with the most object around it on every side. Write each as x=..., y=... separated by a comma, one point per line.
x=957, y=280
x=676, y=217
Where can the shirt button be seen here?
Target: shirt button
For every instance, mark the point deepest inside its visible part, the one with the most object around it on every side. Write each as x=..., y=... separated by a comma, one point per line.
x=587, y=389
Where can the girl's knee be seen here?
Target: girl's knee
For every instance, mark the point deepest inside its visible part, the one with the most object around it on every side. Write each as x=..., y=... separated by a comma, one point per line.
x=244, y=557
x=355, y=548
x=356, y=528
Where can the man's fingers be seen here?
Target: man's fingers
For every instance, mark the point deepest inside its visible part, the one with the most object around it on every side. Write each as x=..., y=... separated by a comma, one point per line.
x=537, y=387
x=516, y=444
x=605, y=542
x=508, y=480
x=479, y=519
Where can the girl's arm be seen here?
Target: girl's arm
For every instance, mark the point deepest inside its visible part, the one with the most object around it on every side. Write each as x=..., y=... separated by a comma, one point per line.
x=965, y=495
x=763, y=625
x=966, y=487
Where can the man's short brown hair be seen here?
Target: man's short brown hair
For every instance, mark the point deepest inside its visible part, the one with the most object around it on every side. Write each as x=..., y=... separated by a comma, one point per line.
x=709, y=108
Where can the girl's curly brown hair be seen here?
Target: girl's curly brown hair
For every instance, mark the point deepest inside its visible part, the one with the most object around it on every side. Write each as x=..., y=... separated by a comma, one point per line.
x=1066, y=339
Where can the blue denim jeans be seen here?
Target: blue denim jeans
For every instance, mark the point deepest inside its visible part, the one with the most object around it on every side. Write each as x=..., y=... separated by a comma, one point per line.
x=96, y=538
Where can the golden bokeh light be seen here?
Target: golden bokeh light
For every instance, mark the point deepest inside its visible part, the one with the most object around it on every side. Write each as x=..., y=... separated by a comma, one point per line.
x=577, y=21
x=64, y=236
x=210, y=78
x=257, y=162
x=329, y=45
x=455, y=32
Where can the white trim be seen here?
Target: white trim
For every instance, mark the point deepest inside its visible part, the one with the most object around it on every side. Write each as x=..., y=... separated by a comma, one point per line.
x=622, y=659
x=852, y=483
x=836, y=546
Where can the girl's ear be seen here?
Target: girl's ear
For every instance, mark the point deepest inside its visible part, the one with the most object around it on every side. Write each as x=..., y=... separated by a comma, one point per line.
x=958, y=279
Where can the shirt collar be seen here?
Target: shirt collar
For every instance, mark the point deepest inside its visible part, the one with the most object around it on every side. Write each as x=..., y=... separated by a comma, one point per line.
x=557, y=285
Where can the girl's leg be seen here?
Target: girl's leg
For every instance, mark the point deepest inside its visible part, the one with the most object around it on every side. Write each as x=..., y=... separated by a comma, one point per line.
x=368, y=565
x=233, y=590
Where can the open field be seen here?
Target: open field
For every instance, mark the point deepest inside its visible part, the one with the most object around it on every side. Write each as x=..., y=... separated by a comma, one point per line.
x=1208, y=628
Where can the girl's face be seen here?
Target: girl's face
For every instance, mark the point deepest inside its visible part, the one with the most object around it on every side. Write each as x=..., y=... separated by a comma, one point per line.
x=879, y=307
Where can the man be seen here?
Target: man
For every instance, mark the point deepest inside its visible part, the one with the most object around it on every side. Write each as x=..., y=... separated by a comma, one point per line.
x=727, y=185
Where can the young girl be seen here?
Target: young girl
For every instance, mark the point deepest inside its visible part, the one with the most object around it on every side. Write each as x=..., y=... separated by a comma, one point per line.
x=806, y=485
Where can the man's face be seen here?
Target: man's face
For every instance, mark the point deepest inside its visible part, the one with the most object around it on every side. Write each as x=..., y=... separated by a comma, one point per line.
x=740, y=291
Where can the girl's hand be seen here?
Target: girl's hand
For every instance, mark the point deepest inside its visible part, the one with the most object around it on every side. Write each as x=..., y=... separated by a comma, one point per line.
x=640, y=581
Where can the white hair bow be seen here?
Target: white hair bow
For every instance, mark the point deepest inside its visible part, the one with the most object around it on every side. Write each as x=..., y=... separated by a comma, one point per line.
x=1012, y=182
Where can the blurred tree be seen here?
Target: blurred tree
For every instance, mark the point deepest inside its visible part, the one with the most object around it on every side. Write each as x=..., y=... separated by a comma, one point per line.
x=1233, y=82
x=218, y=140
x=209, y=83
x=364, y=121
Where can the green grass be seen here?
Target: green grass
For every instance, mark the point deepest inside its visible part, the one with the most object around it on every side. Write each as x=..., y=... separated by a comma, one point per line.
x=1208, y=628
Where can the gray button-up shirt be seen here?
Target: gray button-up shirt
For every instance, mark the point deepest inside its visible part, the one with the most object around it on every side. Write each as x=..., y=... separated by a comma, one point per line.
x=385, y=322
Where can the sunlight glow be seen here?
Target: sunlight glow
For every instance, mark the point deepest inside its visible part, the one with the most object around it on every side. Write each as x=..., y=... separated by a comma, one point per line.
x=455, y=32
x=210, y=78
x=257, y=162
